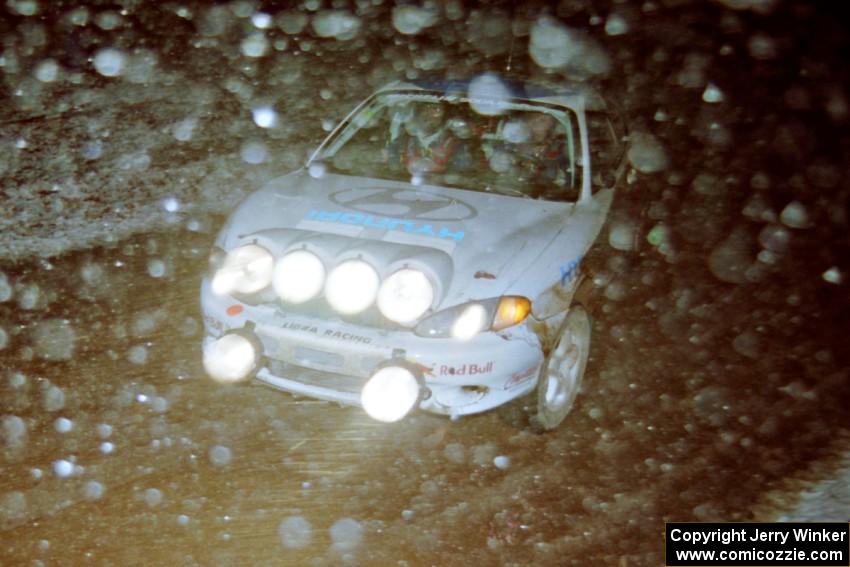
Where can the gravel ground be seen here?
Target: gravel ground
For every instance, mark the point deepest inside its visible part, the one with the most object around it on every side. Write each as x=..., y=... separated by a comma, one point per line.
x=721, y=367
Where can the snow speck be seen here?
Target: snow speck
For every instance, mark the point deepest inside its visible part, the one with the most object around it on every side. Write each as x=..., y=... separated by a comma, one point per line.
x=93, y=490
x=63, y=425
x=775, y=237
x=4, y=338
x=483, y=454
x=292, y=22
x=184, y=130
x=5, y=288
x=63, y=468
x=455, y=453
x=502, y=462
x=794, y=215
x=747, y=344
x=261, y=20
x=17, y=380
x=488, y=95
x=92, y=150
x=183, y=519
x=254, y=152
x=646, y=153
x=110, y=62
x=153, y=497
x=53, y=399
x=220, y=455
x=295, y=532
x=108, y=20
x=730, y=259
x=13, y=505
x=146, y=323
x=134, y=161
x=712, y=94
x=29, y=296
x=516, y=132
x=554, y=46
x=23, y=7
x=106, y=447
x=264, y=116
x=78, y=16
x=254, y=45
x=156, y=268
x=622, y=235
x=47, y=71
x=338, y=24
x=317, y=170
x=14, y=431
x=762, y=47
x=159, y=404
x=104, y=430
x=93, y=274
x=410, y=19
x=171, y=204
x=137, y=354
x=616, y=25
x=346, y=534
x=833, y=276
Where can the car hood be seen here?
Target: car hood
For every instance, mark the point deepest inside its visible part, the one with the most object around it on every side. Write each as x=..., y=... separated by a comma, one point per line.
x=491, y=239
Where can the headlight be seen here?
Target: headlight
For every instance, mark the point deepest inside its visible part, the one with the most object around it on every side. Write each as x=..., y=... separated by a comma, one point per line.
x=471, y=321
x=468, y=319
x=246, y=269
x=390, y=393
x=352, y=286
x=298, y=276
x=232, y=358
x=405, y=296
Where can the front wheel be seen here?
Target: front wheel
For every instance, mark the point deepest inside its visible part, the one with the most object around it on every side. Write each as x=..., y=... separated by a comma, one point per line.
x=563, y=369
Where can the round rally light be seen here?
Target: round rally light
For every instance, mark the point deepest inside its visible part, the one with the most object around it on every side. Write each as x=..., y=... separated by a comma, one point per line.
x=232, y=358
x=246, y=269
x=352, y=287
x=390, y=394
x=298, y=276
x=405, y=296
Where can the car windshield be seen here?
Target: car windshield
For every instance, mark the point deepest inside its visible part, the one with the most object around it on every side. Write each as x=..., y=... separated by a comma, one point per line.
x=517, y=148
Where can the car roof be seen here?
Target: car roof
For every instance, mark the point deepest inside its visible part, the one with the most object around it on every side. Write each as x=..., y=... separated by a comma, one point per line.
x=574, y=95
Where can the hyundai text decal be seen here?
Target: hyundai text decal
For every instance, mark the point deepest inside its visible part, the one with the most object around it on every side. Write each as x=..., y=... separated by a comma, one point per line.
x=386, y=223
x=404, y=203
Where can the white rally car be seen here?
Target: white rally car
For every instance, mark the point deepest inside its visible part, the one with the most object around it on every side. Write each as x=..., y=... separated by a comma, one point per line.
x=427, y=256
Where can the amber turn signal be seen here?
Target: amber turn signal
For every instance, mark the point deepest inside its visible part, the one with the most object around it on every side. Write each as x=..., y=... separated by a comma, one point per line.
x=512, y=310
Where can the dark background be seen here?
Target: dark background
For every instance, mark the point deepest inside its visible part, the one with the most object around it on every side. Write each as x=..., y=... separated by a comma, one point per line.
x=718, y=383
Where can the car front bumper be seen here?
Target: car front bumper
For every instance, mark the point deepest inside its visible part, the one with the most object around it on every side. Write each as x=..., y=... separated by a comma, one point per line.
x=332, y=359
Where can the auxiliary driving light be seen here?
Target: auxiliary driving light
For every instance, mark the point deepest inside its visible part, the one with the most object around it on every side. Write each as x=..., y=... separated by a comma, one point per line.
x=390, y=394
x=231, y=358
x=298, y=276
x=246, y=269
x=405, y=296
x=352, y=287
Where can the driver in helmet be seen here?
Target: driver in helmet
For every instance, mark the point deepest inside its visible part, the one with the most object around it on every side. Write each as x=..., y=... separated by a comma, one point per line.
x=428, y=142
